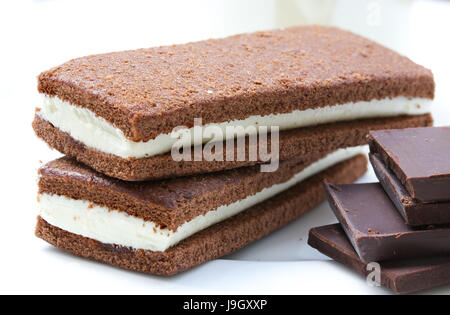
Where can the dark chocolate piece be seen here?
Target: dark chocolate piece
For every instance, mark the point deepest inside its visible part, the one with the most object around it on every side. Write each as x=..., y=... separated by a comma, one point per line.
x=402, y=277
x=419, y=157
x=376, y=229
x=414, y=212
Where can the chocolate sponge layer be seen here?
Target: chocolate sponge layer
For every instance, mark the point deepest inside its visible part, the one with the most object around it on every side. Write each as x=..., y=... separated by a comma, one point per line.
x=168, y=203
x=147, y=92
x=216, y=241
x=306, y=143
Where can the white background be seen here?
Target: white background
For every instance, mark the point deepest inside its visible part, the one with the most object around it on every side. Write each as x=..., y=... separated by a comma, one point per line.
x=36, y=35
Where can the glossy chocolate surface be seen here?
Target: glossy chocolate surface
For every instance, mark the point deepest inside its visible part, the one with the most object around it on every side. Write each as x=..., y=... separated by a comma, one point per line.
x=419, y=158
x=414, y=212
x=405, y=276
x=377, y=230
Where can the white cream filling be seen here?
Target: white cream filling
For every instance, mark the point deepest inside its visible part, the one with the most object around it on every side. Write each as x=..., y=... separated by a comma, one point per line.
x=94, y=131
x=116, y=227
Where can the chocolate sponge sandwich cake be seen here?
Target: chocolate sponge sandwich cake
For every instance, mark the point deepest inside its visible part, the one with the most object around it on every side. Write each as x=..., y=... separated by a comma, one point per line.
x=322, y=87
x=165, y=227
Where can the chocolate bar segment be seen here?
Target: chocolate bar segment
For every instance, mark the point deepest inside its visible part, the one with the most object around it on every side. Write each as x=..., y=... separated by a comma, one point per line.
x=377, y=230
x=415, y=213
x=402, y=277
x=419, y=158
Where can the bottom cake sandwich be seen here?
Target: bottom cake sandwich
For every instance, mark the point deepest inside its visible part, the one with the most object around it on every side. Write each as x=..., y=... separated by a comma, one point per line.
x=169, y=226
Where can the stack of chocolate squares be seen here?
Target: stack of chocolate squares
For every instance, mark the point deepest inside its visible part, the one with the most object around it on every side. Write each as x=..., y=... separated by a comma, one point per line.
x=402, y=223
x=138, y=188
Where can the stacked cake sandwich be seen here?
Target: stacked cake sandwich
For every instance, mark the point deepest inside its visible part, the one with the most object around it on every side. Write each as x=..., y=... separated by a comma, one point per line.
x=154, y=181
x=400, y=227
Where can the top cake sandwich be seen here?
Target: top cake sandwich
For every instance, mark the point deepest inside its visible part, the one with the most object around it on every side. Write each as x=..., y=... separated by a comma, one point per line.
x=324, y=88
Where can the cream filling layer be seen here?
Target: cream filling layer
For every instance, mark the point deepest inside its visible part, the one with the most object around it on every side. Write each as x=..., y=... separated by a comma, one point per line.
x=95, y=132
x=116, y=227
